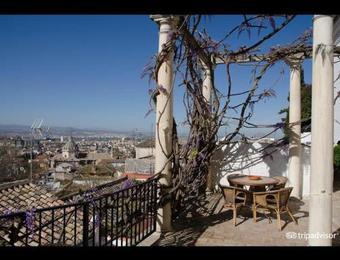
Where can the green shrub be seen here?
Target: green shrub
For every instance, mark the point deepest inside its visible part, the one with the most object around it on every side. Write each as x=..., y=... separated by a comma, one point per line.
x=337, y=156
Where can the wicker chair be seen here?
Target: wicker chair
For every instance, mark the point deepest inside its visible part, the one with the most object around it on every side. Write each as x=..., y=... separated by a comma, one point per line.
x=275, y=200
x=236, y=198
x=281, y=184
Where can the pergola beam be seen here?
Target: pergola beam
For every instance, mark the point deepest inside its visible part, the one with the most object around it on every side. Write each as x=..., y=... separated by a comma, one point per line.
x=306, y=53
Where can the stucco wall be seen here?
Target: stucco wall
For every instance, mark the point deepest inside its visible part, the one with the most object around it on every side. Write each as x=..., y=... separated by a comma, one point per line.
x=142, y=152
x=249, y=159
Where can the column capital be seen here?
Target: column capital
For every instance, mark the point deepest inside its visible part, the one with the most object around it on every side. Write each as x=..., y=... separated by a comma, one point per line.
x=317, y=16
x=164, y=18
x=295, y=61
x=213, y=63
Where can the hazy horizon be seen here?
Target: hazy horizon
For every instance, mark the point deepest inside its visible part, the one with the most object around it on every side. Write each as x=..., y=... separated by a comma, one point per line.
x=84, y=71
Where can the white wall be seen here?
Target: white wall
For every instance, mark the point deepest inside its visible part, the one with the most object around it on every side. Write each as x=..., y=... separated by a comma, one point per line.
x=337, y=84
x=142, y=152
x=249, y=159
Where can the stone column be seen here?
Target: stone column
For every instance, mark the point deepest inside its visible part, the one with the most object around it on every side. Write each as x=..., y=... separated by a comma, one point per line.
x=321, y=182
x=206, y=91
x=207, y=82
x=294, y=164
x=164, y=118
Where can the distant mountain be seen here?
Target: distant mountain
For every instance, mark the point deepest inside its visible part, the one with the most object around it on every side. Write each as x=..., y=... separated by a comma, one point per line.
x=25, y=130
x=20, y=129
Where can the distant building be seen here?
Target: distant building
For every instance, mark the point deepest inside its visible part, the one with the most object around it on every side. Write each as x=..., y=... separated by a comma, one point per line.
x=70, y=154
x=70, y=148
x=97, y=158
x=137, y=176
x=116, y=163
x=64, y=171
x=145, y=149
x=142, y=166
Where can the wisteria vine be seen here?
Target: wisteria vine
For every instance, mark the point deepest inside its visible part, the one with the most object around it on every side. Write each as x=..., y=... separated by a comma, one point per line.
x=196, y=53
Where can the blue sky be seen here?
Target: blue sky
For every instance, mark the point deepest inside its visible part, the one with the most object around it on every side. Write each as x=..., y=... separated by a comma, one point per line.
x=84, y=71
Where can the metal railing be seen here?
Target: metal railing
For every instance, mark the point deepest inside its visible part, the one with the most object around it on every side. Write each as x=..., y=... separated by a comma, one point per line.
x=123, y=218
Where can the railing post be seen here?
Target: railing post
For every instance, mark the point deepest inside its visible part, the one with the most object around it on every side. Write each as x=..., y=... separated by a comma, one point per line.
x=154, y=203
x=86, y=224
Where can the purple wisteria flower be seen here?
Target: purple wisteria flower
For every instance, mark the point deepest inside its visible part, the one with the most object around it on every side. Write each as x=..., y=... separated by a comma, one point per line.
x=9, y=211
x=162, y=89
x=29, y=219
x=127, y=184
x=90, y=194
x=97, y=220
x=151, y=91
x=169, y=36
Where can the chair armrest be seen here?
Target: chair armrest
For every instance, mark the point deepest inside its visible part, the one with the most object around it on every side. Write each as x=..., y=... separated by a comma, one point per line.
x=265, y=192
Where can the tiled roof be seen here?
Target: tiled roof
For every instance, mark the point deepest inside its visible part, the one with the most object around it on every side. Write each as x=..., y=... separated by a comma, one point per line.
x=59, y=222
x=100, y=190
x=61, y=225
x=26, y=196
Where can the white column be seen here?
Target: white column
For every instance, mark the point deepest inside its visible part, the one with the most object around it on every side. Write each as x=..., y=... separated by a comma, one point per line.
x=207, y=82
x=320, y=207
x=294, y=171
x=164, y=119
x=206, y=92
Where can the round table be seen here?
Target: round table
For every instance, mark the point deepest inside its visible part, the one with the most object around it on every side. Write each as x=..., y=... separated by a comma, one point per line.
x=255, y=185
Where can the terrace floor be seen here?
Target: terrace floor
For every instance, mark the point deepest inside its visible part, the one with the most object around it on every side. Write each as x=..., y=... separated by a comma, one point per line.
x=214, y=227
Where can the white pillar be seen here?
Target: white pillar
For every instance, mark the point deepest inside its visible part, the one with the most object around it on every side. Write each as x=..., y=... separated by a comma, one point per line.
x=206, y=92
x=207, y=82
x=320, y=207
x=164, y=118
x=294, y=171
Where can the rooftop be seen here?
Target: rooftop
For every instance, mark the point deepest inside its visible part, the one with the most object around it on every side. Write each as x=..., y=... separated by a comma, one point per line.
x=150, y=143
x=26, y=196
x=214, y=226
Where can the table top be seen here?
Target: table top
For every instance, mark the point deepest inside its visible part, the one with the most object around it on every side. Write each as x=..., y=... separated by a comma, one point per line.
x=244, y=180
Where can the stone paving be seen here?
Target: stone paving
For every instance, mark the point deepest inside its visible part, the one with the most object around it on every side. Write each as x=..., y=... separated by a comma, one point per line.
x=215, y=227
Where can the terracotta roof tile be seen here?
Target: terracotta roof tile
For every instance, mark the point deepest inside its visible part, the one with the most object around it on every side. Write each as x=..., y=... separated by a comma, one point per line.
x=30, y=195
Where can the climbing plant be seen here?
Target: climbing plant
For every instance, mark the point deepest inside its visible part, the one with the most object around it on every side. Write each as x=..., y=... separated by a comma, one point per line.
x=229, y=107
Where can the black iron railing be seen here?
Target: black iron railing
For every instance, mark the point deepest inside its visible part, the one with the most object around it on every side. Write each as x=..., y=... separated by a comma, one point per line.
x=123, y=218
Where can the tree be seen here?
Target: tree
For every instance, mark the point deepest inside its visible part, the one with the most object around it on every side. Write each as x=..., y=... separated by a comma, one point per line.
x=306, y=109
